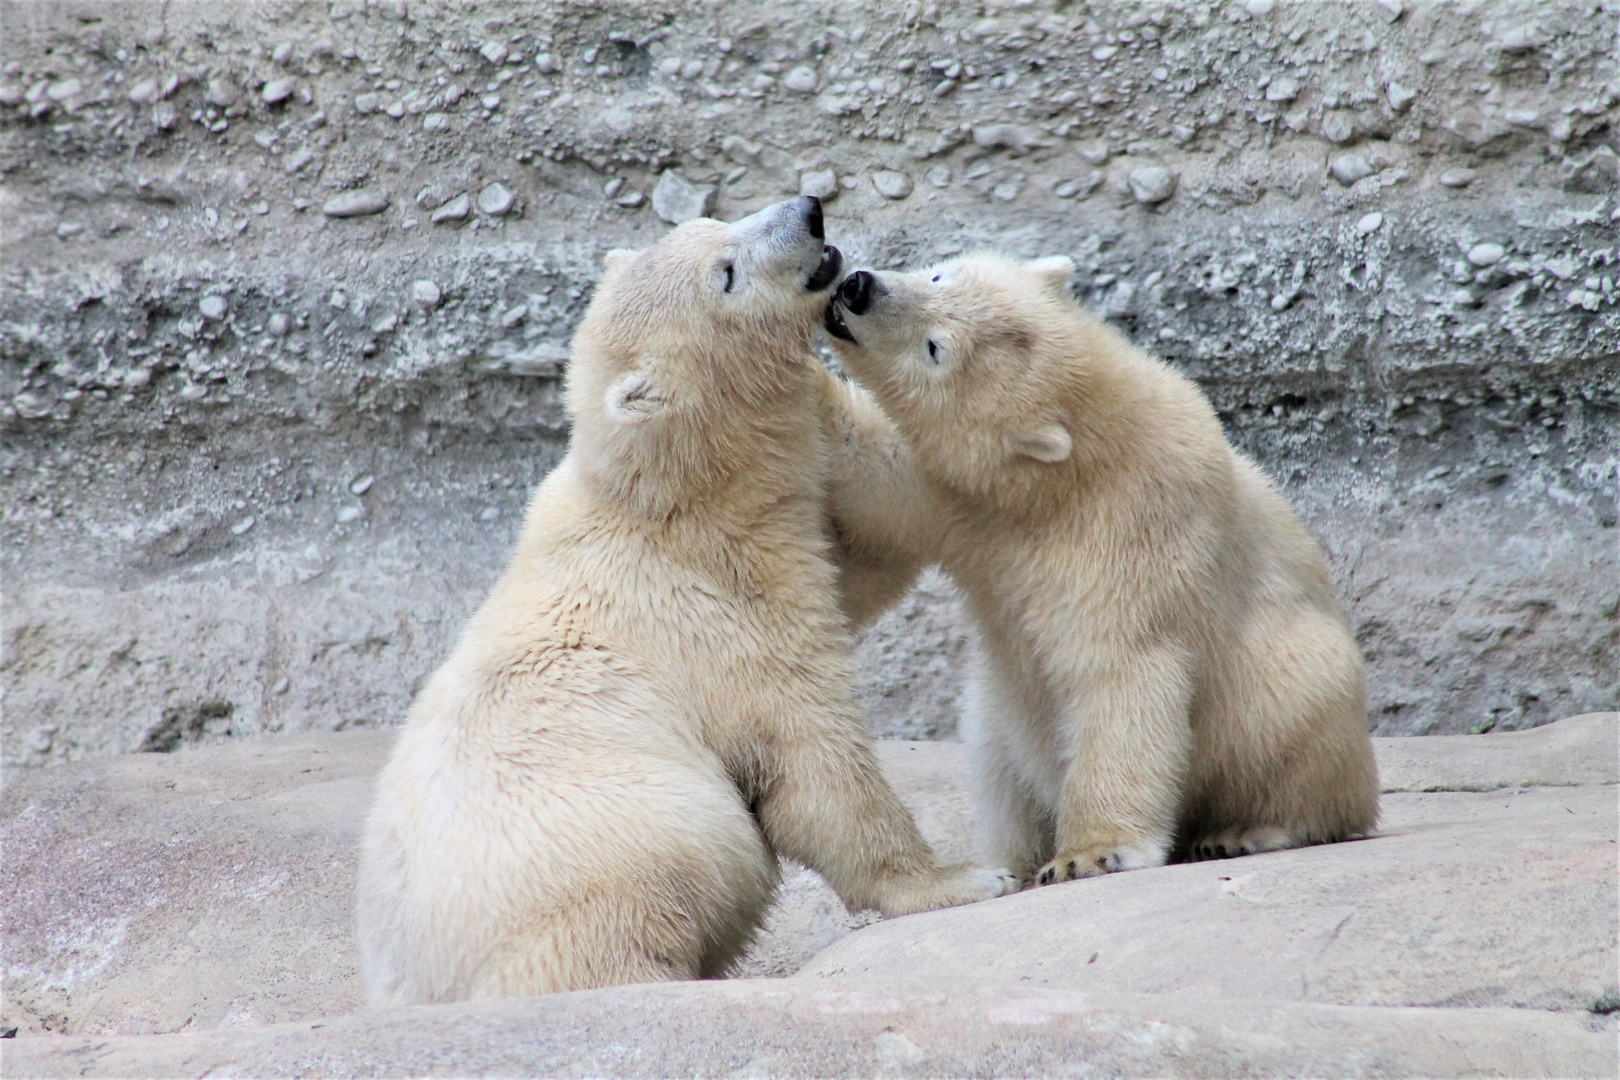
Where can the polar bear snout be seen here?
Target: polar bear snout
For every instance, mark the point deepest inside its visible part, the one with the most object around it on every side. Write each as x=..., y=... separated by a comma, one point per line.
x=786, y=239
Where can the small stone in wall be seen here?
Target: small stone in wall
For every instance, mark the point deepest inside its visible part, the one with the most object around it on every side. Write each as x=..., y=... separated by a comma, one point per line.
x=365, y=104
x=457, y=209
x=1337, y=127
x=822, y=183
x=359, y=203
x=1483, y=255
x=891, y=184
x=939, y=176
x=495, y=200
x=801, y=80
x=426, y=293
x=1369, y=224
x=1151, y=185
x=278, y=90
x=1282, y=89
x=1457, y=178
x=213, y=307
x=1400, y=97
x=678, y=200
x=1349, y=168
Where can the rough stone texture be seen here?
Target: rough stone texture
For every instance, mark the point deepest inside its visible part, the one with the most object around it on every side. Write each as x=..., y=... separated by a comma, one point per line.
x=1476, y=935
x=180, y=547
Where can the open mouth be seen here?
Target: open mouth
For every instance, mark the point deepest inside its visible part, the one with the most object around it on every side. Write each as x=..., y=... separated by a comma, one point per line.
x=826, y=271
x=835, y=324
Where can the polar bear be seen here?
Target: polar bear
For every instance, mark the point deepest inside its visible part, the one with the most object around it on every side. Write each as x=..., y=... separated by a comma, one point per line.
x=656, y=698
x=1165, y=671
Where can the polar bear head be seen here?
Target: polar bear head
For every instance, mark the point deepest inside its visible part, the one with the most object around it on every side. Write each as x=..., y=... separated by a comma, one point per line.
x=694, y=352
x=975, y=361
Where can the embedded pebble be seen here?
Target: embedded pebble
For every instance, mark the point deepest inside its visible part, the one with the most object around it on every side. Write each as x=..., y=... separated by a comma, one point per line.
x=495, y=200
x=494, y=52
x=277, y=324
x=213, y=306
x=891, y=184
x=165, y=116
x=68, y=228
x=279, y=90
x=1349, y=168
x=281, y=53
x=144, y=92
x=66, y=88
x=1483, y=255
x=244, y=525
x=358, y=203
x=801, y=80
x=436, y=121
x=31, y=406
x=1337, y=127
x=1282, y=89
x=939, y=176
x=1259, y=9
x=1369, y=224
x=362, y=485
x=630, y=199
x=822, y=183
x=1400, y=97
x=489, y=513
x=348, y=514
x=678, y=200
x=1392, y=9
x=1457, y=178
x=367, y=103
x=426, y=293
x=456, y=209
x=221, y=92
x=1151, y=185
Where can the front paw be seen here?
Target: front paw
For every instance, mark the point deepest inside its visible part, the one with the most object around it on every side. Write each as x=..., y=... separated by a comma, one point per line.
x=951, y=886
x=1096, y=861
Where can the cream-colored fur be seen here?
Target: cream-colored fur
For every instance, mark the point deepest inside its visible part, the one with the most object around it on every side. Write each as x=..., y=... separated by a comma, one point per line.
x=1165, y=668
x=656, y=698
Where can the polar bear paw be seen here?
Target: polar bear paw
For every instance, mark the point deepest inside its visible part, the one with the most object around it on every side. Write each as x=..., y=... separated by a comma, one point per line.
x=1246, y=840
x=1096, y=861
x=951, y=886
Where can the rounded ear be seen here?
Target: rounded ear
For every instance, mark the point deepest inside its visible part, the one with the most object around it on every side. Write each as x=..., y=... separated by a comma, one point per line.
x=617, y=259
x=1048, y=444
x=1054, y=272
x=633, y=399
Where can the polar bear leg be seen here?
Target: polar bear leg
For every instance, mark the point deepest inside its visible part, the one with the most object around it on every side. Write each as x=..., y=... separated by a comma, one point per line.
x=1132, y=744
x=1015, y=827
x=830, y=808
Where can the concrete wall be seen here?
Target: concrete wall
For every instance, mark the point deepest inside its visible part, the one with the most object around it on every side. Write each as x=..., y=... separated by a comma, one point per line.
x=258, y=460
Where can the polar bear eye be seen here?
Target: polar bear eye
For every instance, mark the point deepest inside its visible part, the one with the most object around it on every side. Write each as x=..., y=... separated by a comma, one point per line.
x=731, y=277
x=937, y=277
x=933, y=350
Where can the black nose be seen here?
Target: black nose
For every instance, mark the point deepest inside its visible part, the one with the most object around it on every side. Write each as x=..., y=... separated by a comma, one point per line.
x=856, y=292
x=812, y=216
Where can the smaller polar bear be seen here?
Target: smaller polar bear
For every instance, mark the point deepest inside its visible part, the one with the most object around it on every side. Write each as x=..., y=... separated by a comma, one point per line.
x=1166, y=671
x=656, y=699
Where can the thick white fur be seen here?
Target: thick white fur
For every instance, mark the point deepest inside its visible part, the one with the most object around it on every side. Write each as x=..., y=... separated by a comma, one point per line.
x=1165, y=668
x=655, y=699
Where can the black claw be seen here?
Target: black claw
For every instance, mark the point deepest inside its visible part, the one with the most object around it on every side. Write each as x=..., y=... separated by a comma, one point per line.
x=1072, y=869
x=1102, y=862
x=1046, y=876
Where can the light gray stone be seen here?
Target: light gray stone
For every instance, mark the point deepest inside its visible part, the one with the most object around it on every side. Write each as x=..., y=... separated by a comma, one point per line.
x=426, y=293
x=458, y=208
x=678, y=200
x=1486, y=254
x=1458, y=178
x=361, y=202
x=822, y=183
x=801, y=80
x=278, y=90
x=495, y=200
x=1151, y=185
x=891, y=184
x=1349, y=168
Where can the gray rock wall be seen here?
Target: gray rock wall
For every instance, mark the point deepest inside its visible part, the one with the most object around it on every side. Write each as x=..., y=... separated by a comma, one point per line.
x=287, y=287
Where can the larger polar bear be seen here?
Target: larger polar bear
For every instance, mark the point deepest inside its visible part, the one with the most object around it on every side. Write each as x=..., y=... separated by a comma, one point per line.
x=656, y=698
x=1166, y=669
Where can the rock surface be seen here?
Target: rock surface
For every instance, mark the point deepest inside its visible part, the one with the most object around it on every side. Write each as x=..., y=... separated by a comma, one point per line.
x=211, y=889
x=1447, y=430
